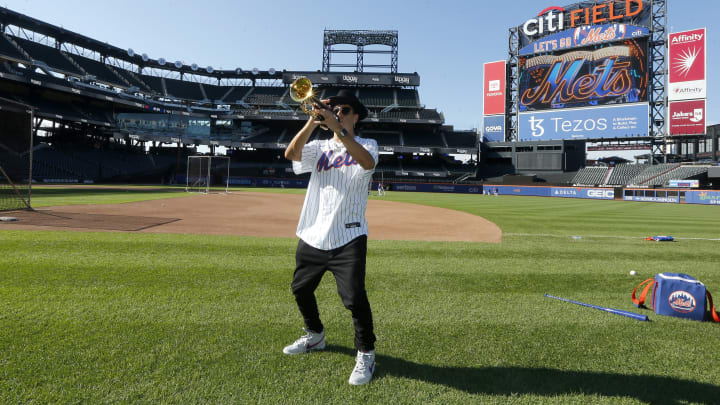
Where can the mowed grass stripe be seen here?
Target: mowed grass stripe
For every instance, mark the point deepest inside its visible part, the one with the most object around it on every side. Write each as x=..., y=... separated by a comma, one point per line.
x=151, y=318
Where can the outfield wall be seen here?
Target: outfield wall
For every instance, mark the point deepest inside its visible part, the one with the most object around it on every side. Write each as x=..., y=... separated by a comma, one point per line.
x=677, y=196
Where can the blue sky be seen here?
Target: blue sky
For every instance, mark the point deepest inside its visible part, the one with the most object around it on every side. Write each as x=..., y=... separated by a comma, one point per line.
x=446, y=42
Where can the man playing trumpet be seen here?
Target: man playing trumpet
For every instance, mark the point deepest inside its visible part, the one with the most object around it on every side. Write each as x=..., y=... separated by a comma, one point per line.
x=332, y=227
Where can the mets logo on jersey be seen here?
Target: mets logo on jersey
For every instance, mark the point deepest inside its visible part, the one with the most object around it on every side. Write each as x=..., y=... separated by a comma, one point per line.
x=327, y=161
x=682, y=301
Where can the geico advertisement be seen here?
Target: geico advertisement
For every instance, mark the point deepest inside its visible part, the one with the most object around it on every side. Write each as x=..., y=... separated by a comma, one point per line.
x=628, y=120
x=577, y=192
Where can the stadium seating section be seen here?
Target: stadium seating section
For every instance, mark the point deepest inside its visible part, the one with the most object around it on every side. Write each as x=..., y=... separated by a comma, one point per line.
x=590, y=176
x=636, y=175
x=461, y=139
x=421, y=137
x=377, y=97
x=133, y=79
x=216, y=93
x=100, y=70
x=237, y=94
x=9, y=50
x=183, y=90
x=407, y=98
x=155, y=83
x=49, y=55
x=265, y=95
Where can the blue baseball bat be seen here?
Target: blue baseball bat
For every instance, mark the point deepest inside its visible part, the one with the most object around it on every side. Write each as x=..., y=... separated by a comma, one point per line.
x=632, y=315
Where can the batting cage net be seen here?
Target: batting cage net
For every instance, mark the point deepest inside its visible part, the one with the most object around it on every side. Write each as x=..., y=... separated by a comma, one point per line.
x=15, y=155
x=207, y=172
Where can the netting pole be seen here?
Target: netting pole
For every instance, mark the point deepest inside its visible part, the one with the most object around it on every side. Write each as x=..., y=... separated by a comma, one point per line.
x=187, y=175
x=30, y=152
x=207, y=179
x=227, y=178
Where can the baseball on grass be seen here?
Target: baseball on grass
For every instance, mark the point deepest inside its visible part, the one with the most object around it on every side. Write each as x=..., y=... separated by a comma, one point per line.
x=633, y=272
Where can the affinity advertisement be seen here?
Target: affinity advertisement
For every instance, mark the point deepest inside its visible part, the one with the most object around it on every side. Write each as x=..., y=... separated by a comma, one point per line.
x=494, y=88
x=585, y=123
x=687, y=65
x=687, y=117
x=612, y=74
x=494, y=128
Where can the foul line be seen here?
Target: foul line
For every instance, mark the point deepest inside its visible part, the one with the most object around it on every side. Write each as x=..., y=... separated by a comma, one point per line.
x=596, y=236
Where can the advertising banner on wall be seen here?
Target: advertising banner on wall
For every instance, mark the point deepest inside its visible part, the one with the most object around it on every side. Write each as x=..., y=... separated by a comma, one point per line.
x=703, y=197
x=589, y=76
x=687, y=117
x=584, y=36
x=578, y=192
x=494, y=88
x=687, y=65
x=621, y=121
x=556, y=19
x=494, y=128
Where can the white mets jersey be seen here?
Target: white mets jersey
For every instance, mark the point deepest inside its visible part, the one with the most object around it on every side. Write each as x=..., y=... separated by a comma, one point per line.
x=334, y=210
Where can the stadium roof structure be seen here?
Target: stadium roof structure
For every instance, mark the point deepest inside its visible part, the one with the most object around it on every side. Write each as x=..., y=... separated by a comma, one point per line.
x=360, y=39
x=12, y=18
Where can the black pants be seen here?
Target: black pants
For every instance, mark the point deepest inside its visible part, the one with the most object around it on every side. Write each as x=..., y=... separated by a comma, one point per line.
x=347, y=263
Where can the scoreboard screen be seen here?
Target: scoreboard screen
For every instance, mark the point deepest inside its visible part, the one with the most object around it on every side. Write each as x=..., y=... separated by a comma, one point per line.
x=604, y=74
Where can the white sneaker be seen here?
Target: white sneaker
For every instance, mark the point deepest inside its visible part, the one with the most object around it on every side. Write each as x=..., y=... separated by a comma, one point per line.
x=364, y=368
x=311, y=341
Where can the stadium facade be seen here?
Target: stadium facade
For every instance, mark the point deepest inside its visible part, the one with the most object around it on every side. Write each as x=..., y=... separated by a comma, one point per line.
x=105, y=114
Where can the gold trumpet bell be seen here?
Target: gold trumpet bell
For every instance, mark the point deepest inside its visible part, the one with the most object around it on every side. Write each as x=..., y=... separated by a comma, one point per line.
x=301, y=91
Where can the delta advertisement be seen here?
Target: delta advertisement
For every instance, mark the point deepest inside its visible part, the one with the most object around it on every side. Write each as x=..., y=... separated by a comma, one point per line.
x=687, y=65
x=612, y=74
x=687, y=117
x=623, y=121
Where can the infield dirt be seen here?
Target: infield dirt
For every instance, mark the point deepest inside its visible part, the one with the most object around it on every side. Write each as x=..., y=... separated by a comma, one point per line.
x=253, y=214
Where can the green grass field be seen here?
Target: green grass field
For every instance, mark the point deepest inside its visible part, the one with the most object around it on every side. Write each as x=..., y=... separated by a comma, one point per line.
x=156, y=318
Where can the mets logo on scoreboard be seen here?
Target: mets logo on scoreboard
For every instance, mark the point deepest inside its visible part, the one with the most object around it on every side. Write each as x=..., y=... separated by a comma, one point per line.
x=682, y=301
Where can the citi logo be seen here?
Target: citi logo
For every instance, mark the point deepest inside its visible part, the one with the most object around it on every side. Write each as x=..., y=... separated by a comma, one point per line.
x=553, y=18
x=403, y=80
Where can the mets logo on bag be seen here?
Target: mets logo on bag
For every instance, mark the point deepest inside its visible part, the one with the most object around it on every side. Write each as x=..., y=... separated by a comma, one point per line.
x=682, y=301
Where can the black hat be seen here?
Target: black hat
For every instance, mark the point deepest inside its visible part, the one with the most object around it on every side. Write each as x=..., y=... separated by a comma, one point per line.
x=346, y=96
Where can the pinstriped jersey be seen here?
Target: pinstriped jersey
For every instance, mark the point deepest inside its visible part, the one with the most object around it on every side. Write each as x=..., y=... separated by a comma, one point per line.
x=333, y=213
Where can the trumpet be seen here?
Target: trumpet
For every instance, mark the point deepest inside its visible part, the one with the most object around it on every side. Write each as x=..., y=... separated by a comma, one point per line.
x=301, y=91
